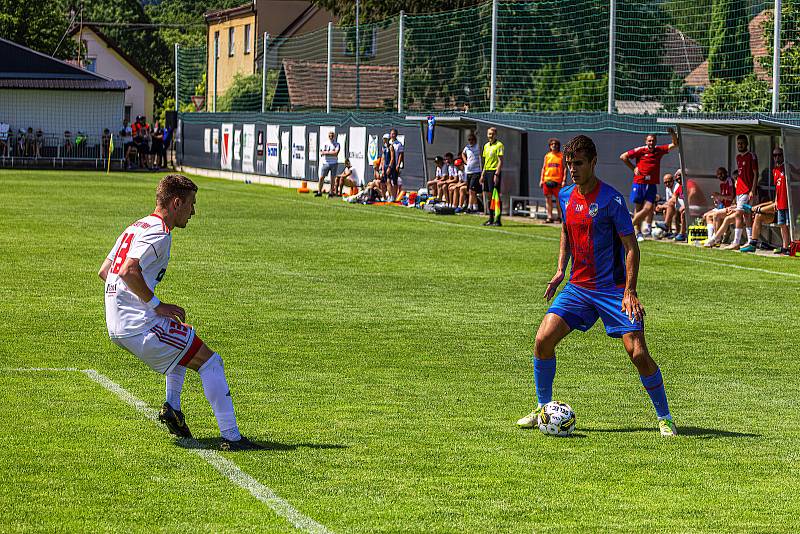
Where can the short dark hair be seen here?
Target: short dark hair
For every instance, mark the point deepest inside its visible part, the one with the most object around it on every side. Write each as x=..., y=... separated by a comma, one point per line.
x=580, y=143
x=174, y=186
x=723, y=169
x=742, y=137
x=553, y=140
x=448, y=155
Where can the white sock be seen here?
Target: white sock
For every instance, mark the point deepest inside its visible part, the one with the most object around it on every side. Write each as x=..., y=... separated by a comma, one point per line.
x=749, y=233
x=645, y=228
x=175, y=380
x=710, y=230
x=212, y=373
x=737, y=236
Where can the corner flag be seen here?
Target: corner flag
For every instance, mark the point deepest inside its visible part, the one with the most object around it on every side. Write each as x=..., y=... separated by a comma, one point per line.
x=110, y=151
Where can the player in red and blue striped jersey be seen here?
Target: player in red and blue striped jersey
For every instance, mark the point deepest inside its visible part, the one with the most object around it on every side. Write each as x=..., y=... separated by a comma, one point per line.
x=597, y=234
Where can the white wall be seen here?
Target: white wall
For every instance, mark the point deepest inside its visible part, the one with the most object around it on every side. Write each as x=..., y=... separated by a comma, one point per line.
x=110, y=64
x=56, y=111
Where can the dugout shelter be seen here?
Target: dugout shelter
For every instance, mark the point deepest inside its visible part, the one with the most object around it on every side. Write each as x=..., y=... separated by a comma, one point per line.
x=706, y=144
x=450, y=135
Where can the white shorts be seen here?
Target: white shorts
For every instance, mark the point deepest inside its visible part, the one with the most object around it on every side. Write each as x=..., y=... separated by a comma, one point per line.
x=167, y=343
x=741, y=200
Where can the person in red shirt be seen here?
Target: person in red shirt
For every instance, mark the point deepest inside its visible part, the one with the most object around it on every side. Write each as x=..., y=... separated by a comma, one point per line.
x=721, y=200
x=646, y=175
x=780, y=206
x=746, y=193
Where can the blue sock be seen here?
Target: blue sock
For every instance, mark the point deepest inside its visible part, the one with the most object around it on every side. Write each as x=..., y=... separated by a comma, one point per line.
x=544, y=371
x=654, y=384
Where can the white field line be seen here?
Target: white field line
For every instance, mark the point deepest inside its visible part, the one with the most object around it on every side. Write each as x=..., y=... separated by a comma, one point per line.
x=227, y=468
x=529, y=236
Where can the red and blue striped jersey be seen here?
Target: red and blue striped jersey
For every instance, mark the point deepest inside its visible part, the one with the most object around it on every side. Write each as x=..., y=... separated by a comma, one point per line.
x=594, y=225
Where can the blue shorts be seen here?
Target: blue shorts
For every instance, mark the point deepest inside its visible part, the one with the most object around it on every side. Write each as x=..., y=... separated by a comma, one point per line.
x=641, y=193
x=783, y=217
x=581, y=307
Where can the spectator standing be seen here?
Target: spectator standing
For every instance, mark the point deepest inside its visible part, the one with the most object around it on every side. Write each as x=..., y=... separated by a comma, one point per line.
x=30, y=141
x=387, y=166
x=159, y=155
x=4, y=139
x=646, y=175
x=398, y=162
x=38, y=143
x=552, y=177
x=69, y=147
x=105, y=140
x=329, y=153
x=491, y=178
x=471, y=155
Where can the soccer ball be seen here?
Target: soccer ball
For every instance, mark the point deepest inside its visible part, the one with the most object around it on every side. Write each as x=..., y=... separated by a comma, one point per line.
x=556, y=419
x=657, y=232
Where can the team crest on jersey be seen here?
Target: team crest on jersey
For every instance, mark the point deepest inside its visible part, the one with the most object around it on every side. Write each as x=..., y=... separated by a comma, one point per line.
x=593, y=209
x=618, y=199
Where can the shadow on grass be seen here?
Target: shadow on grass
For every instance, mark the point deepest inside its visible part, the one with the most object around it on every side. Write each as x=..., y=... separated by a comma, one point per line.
x=694, y=431
x=213, y=444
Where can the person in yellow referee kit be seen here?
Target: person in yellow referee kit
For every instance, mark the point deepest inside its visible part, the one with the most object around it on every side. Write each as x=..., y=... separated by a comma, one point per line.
x=552, y=177
x=491, y=178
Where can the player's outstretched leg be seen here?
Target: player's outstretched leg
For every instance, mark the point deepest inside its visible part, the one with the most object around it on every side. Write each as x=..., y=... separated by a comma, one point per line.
x=651, y=378
x=170, y=413
x=209, y=366
x=552, y=330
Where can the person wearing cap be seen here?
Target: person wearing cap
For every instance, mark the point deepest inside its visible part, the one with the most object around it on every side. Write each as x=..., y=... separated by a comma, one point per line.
x=459, y=191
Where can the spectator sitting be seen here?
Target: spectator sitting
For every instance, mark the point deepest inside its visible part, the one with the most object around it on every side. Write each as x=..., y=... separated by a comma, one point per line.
x=763, y=213
x=68, y=146
x=722, y=201
x=433, y=185
x=450, y=178
x=4, y=139
x=104, y=144
x=667, y=206
x=343, y=179
x=780, y=207
x=459, y=191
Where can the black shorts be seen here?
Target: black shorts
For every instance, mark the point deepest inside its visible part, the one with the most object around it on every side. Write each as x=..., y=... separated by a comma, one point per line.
x=488, y=181
x=391, y=174
x=474, y=181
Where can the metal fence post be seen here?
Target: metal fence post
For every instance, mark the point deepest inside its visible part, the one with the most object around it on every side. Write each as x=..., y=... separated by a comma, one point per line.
x=264, y=73
x=176, y=77
x=400, y=37
x=776, y=59
x=612, y=53
x=493, y=82
x=330, y=61
x=214, y=99
x=358, y=55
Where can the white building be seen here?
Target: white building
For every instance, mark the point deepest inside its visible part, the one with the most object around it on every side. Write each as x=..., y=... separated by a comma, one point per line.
x=105, y=57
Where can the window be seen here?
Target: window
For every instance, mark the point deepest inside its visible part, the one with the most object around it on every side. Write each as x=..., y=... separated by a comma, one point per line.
x=216, y=45
x=90, y=64
x=128, y=113
x=246, y=38
x=231, y=42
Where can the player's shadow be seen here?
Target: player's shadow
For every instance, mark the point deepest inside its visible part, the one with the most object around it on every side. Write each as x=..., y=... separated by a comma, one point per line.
x=694, y=431
x=213, y=444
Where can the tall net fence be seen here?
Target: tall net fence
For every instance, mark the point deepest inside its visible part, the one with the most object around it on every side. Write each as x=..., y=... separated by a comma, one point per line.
x=671, y=56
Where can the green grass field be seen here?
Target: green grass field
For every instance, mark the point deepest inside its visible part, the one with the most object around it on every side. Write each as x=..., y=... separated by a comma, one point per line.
x=383, y=354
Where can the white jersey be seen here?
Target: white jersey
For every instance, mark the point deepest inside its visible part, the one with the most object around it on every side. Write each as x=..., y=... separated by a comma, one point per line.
x=473, y=153
x=149, y=241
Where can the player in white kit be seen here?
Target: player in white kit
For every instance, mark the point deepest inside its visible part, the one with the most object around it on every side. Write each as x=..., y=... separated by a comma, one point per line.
x=155, y=331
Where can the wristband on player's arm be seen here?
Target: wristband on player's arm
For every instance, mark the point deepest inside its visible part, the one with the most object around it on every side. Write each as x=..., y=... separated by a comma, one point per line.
x=153, y=303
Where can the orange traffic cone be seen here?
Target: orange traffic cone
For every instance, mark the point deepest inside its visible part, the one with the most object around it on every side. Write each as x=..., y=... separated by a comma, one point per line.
x=304, y=187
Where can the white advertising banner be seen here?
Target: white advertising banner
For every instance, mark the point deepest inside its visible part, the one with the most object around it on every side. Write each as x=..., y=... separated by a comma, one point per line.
x=226, y=161
x=272, y=149
x=312, y=146
x=298, y=152
x=248, y=146
x=356, y=152
x=207, y=140
x=285, y=155
x=215, y=140
x=237, y=145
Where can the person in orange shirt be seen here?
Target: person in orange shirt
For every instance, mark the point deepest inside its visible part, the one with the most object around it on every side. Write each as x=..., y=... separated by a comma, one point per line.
x=552, y=177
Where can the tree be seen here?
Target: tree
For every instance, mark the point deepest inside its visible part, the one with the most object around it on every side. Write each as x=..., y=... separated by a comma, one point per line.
x=37, y=24
x=729, y=56
x=748, y=94
x=243, y=95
